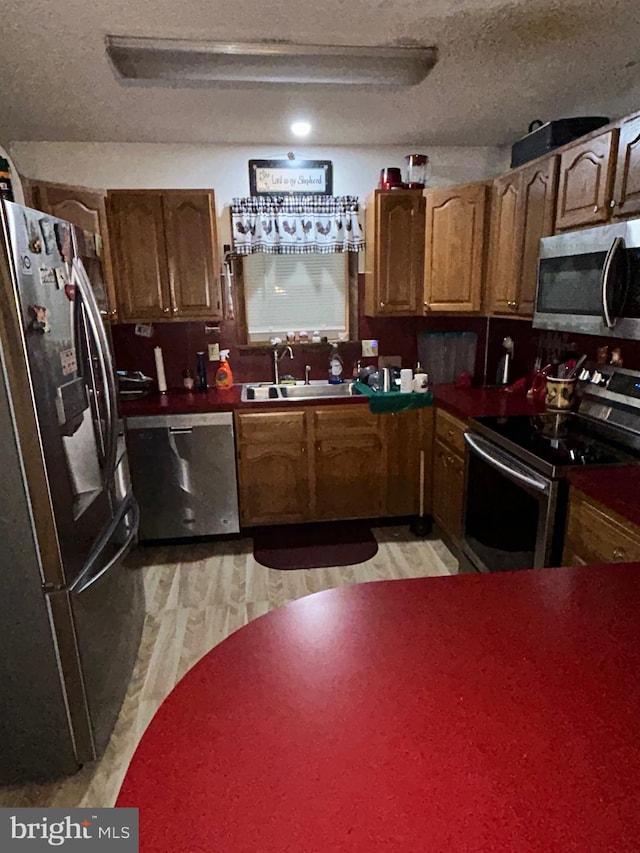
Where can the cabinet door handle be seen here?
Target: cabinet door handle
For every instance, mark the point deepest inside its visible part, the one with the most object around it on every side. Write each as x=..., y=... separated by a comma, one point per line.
x=175, y=309
x=426, y=305
x=382, y=304
x=619, y=554
x=165, y=310
x=596, y=208
x=613, y=202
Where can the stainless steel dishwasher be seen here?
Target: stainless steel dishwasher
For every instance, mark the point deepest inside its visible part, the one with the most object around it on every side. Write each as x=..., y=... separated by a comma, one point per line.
x=183, y=470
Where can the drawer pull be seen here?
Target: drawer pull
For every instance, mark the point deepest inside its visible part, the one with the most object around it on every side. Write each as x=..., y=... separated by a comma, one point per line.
x=619, y=554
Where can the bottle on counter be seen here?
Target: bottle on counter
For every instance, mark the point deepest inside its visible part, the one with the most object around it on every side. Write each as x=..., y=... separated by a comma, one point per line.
x=335, y=366
x=201, y=371
x=224, y=376
x=188, y=379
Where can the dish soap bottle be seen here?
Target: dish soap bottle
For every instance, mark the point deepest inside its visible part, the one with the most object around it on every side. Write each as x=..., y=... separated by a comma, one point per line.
x=335, y=366
x=224, y=376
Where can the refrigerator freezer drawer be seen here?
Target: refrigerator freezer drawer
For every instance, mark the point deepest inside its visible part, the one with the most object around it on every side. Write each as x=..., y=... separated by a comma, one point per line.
x=183, y=470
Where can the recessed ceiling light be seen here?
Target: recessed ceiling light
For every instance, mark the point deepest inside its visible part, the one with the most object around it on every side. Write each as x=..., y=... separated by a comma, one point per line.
x=301, y=128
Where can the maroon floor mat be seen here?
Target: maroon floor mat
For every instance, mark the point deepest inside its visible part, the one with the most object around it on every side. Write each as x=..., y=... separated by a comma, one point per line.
x=314, y=546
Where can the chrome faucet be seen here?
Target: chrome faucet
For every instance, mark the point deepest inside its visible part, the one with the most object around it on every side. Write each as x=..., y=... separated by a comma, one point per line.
x=276, y=359
x=307, y=374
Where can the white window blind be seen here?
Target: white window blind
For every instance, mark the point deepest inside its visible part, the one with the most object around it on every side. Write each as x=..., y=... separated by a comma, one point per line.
x=296, y=292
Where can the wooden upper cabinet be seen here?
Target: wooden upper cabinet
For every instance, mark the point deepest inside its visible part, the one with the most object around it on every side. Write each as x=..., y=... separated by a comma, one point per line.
x=586, y=181
x=394, y=252
x=140, y=255
x=455, y=247
x=190, y=228
x=523, y=210
x=86, y=208
x=166, y=255
x=505, y=258
x=626, y=192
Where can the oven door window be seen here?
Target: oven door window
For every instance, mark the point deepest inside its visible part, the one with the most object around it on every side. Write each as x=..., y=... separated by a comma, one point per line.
x=502, y=518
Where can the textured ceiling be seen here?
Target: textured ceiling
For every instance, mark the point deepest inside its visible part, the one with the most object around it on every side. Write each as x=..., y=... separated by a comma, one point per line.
x=501, y=65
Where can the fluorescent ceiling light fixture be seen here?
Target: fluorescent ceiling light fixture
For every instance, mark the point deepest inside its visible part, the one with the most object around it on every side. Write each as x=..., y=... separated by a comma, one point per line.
x=178, y=61
x=301, y=128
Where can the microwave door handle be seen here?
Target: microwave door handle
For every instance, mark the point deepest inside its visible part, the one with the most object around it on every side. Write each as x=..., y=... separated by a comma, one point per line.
x=616, y=246
x=514, y=473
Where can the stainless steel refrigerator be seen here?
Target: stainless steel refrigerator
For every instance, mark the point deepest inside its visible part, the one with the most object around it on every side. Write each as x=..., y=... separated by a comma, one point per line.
x=71, y=612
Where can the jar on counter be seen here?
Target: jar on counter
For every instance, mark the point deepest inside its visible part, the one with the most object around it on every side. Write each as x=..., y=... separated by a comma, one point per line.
x=188, y=379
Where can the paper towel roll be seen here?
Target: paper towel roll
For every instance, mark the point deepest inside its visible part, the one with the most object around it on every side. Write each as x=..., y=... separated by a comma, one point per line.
x=406, y=380
x=162, y=380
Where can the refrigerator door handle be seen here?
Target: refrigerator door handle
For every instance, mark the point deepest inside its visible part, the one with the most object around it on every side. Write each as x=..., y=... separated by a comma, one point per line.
x=81, y=279
x=92, y=573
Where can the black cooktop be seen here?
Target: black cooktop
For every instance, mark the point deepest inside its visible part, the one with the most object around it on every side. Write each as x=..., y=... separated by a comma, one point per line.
x=553, y=442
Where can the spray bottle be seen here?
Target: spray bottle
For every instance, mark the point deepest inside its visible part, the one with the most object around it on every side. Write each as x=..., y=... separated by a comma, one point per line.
x=224, y=376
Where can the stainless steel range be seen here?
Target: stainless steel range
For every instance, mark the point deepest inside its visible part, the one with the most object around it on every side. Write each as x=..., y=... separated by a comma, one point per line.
x=517, y=467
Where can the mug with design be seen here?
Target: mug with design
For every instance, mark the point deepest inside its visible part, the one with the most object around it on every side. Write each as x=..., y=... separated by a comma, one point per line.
x=560, y=393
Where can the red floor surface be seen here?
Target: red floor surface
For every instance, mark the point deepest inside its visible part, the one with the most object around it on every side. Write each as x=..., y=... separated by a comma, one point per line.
x=472, y=713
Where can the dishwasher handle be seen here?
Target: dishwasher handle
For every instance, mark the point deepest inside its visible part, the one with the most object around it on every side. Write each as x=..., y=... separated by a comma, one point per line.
x=180, y=430
x=486, y=450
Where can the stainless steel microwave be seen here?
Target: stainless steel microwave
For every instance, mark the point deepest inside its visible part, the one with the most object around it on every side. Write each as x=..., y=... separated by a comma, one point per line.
x=589, y=281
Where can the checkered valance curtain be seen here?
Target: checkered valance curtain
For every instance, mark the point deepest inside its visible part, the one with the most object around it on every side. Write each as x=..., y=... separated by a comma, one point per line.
x=295, y=225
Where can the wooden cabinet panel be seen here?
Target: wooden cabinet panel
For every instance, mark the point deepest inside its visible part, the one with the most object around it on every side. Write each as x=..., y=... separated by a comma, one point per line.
x=505, y=248
x=140, y=255
x=336, y=421
x=87, y=209
x=626, y=193
x=596, y=534
x=394, y=253
x=190, y=228
x=273, y=467
x=449, y=473
x=586, y=182
x=539, y=190
x=349, y=477
x=407, y=434
x=450, y=430
x=455, y=248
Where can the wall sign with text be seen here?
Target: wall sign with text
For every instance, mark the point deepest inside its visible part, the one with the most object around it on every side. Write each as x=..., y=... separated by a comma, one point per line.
x=278, y=177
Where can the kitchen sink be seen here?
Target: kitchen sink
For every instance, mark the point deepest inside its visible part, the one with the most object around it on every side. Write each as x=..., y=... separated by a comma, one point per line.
x=265, y=392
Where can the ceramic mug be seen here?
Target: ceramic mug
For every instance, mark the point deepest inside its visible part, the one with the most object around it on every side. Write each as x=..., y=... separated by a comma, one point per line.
x=560, y=393
x=421, y=383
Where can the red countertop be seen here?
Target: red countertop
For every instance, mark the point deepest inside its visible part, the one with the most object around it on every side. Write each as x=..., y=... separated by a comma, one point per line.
x=462, y=402
x=478, y=402
x=452, y=715
x=616, y=488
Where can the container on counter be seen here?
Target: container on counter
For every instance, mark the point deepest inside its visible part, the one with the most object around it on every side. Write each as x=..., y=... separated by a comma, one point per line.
x=202, y=384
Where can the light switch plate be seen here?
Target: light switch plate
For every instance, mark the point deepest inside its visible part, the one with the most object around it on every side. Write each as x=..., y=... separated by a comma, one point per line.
x=369, y=349
x=214, y=352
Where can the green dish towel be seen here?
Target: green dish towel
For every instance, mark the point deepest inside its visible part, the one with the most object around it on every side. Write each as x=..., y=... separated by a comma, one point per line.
x=381, y=402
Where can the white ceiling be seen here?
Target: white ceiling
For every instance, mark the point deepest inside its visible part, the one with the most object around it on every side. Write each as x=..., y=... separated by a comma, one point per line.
x=501, y=65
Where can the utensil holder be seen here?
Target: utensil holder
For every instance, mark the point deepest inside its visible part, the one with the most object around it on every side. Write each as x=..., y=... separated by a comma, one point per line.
x=560, y=394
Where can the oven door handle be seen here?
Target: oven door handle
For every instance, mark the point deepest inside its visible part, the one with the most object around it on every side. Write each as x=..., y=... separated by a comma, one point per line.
x=482, y=449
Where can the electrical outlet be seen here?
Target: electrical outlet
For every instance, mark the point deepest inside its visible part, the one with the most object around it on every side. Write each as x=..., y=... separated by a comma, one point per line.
x=144, y=330
x=369, y=349
x=214, y=352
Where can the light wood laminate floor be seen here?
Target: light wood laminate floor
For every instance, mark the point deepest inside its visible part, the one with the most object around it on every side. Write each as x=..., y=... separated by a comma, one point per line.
x=196, y=596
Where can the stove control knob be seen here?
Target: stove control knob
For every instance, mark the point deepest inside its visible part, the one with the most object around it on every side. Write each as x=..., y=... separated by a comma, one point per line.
x=584, y=375
x=604, y=378
x=596, y=377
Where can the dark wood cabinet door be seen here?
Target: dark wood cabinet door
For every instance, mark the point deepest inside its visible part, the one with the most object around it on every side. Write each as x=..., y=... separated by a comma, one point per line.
x=505, y=251
x=586, y=182
x=140, y=255
x=441, y=497
x=407, y=435
x=190, y=229
x=349, y=477
x=455, y=248
x=626, y=193
x=538, y=196
x=394, y=253
x=273, y=467
x=85, y=208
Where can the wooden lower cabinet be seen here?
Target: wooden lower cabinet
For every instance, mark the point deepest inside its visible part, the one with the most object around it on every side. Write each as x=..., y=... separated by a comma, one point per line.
x=273, y=467
x=596, y=534
x=449, y=474
x=331, y=462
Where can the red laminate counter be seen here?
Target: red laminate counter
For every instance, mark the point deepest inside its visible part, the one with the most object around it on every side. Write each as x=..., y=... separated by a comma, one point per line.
x=462, y=402
x=479, y=402
x=616, y=488
x=451, y=715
